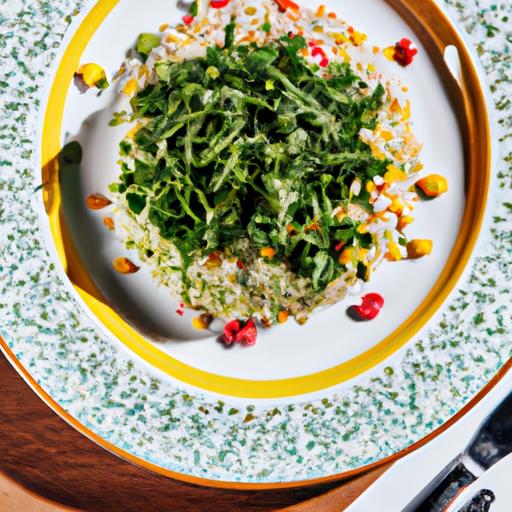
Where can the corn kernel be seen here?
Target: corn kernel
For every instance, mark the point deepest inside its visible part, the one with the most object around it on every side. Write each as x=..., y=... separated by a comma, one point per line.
x=267, y=252
x=214, y=261
x=202, y=321
x=419, y=248
x=130, y=87
x=320, y=11
x=393, y=174
x=389, y=52
x=124, y=266
x=404, y=221
x=433, y=185
x=347, y=256
x=371, y=187
x=282, y=316
x=93, y=75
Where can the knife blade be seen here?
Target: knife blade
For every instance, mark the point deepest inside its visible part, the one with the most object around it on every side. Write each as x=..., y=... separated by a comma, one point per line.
x=492, y=442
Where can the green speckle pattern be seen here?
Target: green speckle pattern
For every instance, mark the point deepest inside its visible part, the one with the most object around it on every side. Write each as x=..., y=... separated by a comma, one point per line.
x=96, y=382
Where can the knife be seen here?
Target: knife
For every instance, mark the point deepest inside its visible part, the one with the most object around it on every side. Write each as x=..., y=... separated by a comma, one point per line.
x=492, y=442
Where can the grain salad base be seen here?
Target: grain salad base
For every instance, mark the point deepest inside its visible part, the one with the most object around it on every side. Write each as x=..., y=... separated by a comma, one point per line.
x=104, y=389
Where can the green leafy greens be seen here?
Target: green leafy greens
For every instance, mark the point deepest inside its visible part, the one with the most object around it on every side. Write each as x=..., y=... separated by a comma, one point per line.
x=249, y=142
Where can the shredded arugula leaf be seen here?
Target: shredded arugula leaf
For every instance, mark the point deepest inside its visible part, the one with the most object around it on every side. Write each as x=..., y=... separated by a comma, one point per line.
x=262, y=149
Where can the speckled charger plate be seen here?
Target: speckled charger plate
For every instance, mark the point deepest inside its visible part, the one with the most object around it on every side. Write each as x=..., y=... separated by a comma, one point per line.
x=198, y=435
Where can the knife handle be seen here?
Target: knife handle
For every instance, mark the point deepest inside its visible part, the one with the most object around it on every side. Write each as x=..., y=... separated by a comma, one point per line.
x=447, y=490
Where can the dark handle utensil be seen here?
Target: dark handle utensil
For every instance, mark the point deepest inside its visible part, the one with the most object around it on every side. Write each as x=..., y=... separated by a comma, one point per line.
x=492, y=442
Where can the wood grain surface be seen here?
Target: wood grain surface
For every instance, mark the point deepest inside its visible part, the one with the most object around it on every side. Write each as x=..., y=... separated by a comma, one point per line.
x=42, y=456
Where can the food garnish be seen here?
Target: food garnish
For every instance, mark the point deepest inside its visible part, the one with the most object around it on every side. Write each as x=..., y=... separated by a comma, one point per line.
x=97, y=201
x=244, y=333
x=124, y=266
x=419, y=248
x=90, y=75
x=433, y=185
x=370, y=306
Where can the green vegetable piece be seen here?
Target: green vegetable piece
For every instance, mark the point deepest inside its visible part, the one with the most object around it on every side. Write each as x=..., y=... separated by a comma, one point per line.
x=230, y=34
x=146, y=42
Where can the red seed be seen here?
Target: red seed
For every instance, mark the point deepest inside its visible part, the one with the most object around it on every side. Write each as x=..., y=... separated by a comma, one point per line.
x=219, y=4
x=234, y=332
x=370, y=307
x=231, y=329
x=241, y=265
x=247, y=335
x=404, y=54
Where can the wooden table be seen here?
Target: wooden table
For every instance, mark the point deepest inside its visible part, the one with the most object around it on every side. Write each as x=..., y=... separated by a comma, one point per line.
x=44, y=460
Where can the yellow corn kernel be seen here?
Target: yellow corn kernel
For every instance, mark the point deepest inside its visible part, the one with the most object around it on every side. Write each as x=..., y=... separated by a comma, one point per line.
x=171, y=38
x=371, y=187
x=404, y=221
x=362, y=229
x=433, y=185
x=393, y=174
x=290, y=229
x=389, y=52
x=202, y=322
x=320, y=11
x=282, y=316
x=419, y=248
x=93, y=75
x=267, y=252
x=393, y=253
x=396, y=206
x=386, y=135
x=358, y=38
x=371, y=68
x=124, y=266
x=395, y=107
x=406, y=111
x=163, y=27
x=251, y=11
x=346, y=256
x=131, y=87
x=362, y=253
x=214, y=261
x=318, y=29
x=131, y=133
x=346, y=56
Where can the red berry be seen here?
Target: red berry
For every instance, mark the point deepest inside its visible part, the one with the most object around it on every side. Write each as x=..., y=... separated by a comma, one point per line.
x=219, y=4
x=370, y=307
x=247, y=335
x=231, y=329
x=188, y=19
